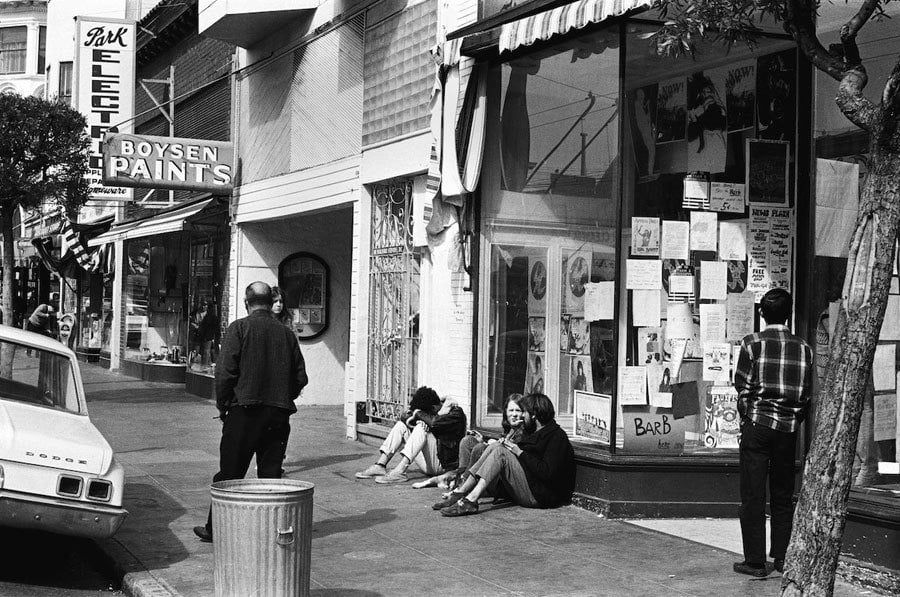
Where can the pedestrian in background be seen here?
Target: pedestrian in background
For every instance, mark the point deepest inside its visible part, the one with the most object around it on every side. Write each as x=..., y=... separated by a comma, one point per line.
x=41, y=321
x=774, y=380
x=278, y=310
x=259, y=373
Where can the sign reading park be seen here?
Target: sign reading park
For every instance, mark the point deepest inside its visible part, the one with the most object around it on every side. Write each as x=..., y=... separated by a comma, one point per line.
x=151, y=162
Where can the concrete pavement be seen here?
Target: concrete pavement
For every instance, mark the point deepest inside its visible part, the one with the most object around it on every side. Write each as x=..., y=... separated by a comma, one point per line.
x=373, y=540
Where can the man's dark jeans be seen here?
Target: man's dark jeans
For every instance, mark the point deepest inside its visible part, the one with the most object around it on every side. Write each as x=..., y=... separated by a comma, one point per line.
x=248, y=430
x=766, y=454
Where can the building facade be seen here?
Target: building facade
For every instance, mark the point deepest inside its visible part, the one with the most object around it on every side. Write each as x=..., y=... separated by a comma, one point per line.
x=23, y=46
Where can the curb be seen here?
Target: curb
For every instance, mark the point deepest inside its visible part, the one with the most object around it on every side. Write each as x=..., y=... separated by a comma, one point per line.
x=132, y=577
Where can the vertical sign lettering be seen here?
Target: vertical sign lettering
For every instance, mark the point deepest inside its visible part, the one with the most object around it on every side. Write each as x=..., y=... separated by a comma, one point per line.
x=105, y=79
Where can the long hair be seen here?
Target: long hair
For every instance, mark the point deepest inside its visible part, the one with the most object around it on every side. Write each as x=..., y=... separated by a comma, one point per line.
x=517, y=398
x=285, y=315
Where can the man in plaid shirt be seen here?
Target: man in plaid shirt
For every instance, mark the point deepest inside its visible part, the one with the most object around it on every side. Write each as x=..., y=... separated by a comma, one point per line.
x=774, y=380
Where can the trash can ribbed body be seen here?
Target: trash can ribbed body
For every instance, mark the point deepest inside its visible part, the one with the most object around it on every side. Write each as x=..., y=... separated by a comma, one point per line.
x=262, y=537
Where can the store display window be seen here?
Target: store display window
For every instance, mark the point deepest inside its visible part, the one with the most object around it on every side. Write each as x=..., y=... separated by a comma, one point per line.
x=630, y=221
x=549, y=227
x=303, y=278
x=205, y=318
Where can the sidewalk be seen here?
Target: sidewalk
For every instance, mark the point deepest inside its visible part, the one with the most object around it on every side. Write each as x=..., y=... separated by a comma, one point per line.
x=371, y=540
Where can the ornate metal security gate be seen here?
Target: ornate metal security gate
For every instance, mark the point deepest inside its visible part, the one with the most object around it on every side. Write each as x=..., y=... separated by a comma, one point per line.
x=393, y=302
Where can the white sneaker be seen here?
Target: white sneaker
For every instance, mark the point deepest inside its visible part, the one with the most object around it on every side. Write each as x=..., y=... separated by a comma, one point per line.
x=376, y=470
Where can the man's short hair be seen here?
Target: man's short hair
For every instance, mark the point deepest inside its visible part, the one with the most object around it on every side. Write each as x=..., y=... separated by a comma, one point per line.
x=424, y=399
x=539, y=407
x=775, y=306
x=258, y=294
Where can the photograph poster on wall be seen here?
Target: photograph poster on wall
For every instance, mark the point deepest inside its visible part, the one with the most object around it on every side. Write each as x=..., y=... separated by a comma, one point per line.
x=767, y=171
x=578, y=269
x=593, y=416
x=537, y=286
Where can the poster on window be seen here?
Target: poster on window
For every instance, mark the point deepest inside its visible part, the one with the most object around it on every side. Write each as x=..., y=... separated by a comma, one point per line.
x=536, y=338
x=770, y=249
x=534, y=374
x=645, y=236
x=767, y=171
x=775, y=87
x=579, y=337
x=740, y=95
x=580, y=378
x=537, y=286
x=577, y=270
x=671, y=110
x=706, y=122
x=650, y=345
x=722, y=423
x=593, y=416
x=642, y=115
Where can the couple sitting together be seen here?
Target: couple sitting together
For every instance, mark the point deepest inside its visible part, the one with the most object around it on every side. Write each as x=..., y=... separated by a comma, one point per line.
x=532, y=465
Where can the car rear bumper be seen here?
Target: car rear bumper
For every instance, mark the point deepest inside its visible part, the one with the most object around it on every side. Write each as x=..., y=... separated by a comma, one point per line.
x=79, y=519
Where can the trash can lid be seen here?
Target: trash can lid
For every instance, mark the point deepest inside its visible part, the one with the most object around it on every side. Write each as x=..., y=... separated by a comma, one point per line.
x=262, y=486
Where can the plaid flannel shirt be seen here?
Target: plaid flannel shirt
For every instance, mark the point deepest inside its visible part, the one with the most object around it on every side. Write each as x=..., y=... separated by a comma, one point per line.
x=774, y=378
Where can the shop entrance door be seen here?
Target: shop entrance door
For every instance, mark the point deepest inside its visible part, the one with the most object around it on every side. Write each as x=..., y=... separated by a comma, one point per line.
x=393, y=303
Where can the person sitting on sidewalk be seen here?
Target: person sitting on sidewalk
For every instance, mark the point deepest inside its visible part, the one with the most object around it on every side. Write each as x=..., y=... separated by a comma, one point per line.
x=473, y=446
x=429, y=436
x=539, y=472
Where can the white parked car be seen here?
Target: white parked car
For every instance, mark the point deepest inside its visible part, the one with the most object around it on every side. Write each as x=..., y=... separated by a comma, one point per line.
x=57, y=472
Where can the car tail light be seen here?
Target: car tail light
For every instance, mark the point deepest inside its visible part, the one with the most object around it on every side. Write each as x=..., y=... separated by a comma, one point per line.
x=98, y=489
x=2, y=477
x=69, y=486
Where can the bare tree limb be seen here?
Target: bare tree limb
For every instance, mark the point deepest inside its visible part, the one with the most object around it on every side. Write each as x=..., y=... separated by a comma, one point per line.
x=852, y=27
x=799, y=22
x=853, y=104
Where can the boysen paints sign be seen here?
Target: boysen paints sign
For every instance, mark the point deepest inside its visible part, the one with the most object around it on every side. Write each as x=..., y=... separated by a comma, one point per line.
x=167, y=163
x=105, y=79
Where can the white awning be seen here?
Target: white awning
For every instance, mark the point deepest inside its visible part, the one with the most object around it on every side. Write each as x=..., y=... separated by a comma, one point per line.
x=576, y=15
x=170, y=221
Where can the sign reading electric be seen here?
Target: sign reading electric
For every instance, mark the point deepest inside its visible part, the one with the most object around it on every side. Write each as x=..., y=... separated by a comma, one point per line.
x=167, y=163
x=105, y=71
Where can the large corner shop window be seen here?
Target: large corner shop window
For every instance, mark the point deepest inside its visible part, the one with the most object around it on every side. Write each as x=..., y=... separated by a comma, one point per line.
x=549, y=225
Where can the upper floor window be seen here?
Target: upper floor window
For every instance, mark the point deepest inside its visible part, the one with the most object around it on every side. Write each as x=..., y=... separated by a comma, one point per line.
x=13, y=43
x=42, y=50
x=65, y=82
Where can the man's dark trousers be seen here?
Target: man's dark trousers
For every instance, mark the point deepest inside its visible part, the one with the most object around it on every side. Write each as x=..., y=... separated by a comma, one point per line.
x=766, y=454
x=261, y=430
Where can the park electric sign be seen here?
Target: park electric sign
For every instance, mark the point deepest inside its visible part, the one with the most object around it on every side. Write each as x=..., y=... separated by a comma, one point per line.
x=151, y=162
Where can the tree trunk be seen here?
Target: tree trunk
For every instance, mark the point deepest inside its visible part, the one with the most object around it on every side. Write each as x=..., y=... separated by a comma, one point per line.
x=818, y=528
x=6, y=304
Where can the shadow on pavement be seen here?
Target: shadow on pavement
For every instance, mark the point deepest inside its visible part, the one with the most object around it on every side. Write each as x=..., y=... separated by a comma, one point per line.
x=164, y=394
x=308, y=464
x=151, y=512
x=354, y=522
x=342, y=593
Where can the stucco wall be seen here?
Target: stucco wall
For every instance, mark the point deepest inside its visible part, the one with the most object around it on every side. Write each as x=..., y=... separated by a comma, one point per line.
x=328, y=234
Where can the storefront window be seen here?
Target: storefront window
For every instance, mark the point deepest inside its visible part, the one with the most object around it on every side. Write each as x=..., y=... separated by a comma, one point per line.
x=709, y=226
x=137, y=269
x=841, y=166
x=205, y=317
x=549, y=220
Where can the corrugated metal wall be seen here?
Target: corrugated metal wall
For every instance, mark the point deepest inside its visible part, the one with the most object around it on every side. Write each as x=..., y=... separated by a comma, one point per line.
x=399, y=73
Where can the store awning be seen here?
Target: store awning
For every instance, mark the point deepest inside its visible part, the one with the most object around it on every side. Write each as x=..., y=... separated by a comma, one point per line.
x=563, y=19
x=173, y=220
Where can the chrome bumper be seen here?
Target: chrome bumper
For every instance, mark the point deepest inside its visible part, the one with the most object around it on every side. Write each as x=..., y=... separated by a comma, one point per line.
x=65, y=517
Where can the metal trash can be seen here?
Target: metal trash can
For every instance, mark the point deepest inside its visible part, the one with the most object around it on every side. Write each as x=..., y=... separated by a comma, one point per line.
x=262, y=537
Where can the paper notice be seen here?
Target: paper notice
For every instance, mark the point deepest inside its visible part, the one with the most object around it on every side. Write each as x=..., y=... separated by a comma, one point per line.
x=643, y=274
x=712, y=323
x=659, y=378
x=885, y=417
x=713, y=280
x=726, y=197
x=676, y=237
x=732, y=241
x=837, y=199
x=890, y=327
x=717, y=361
x=599, y=300
x=739, y=312
x=645, y=236
x=633, y=386
x=645, y=307
x=704, y=230
x=884, y=367
x=679, y=322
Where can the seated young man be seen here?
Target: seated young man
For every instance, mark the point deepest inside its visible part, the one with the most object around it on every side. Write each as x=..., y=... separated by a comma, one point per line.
x=429, y=436
x=538, y=472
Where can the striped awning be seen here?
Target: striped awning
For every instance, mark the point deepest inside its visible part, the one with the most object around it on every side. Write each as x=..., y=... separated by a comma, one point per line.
x=563, y=19
x=169, y=221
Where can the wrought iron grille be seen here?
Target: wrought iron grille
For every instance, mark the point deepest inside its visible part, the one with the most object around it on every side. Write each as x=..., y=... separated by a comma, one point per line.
x=393, y=303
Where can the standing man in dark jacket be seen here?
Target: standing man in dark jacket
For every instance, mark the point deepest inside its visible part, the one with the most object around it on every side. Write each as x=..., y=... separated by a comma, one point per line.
x=259, y=373
x=538, y=472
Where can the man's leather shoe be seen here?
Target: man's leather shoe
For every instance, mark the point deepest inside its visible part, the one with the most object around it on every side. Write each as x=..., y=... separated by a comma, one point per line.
x=745, y=568
x=779, y=564
x=204, y=533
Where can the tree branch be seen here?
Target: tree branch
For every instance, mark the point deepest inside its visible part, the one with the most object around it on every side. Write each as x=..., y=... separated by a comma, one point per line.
x=852, y=27
x=799, y=22
x=852, y=103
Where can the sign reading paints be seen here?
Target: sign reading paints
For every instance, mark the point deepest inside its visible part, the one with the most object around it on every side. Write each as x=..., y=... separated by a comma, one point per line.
x=167, y=163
